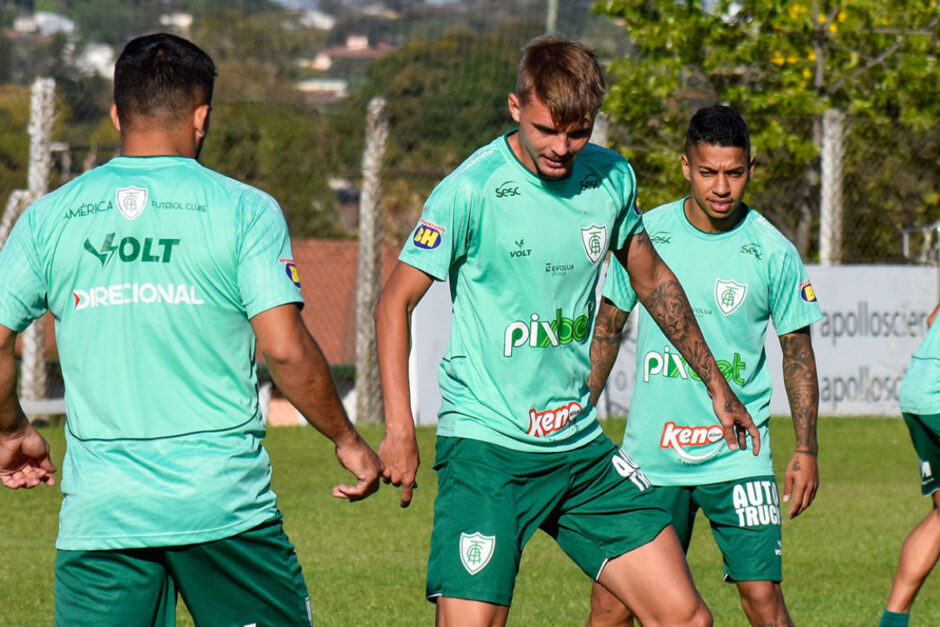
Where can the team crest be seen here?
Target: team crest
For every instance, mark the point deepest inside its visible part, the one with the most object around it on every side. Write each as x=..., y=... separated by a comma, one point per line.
x=729, y=295
x=476, y=550
x=594, y=238
x=131, y=201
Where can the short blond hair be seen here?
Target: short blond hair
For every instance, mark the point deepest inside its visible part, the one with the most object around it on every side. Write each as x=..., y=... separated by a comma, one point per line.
x=563, y=74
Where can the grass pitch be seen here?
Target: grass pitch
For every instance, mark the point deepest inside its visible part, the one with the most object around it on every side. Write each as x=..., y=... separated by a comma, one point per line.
x=364, y=562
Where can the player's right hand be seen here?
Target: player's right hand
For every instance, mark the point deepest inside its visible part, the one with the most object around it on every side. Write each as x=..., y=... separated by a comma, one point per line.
x=24, y=458
x=399, y=453
x=358, y=458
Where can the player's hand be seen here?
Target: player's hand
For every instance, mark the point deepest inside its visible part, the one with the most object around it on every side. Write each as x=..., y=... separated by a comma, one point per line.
x=399, y=453
x=801, y=482
x=358, y=458
x=24, y=458
x=735, y=420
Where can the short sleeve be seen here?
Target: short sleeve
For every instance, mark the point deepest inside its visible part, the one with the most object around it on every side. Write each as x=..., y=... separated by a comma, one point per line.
x=267, y=274
x=628, y=221
x=442, y=233
x=793, y=303
x=23, y=290
x=617, y=286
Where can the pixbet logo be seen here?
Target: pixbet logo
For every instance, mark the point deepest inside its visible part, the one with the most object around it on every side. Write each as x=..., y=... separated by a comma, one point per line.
x=540, y=333
x=544, y=423
x=130, y=249
x=673, y=366
x=680, y=439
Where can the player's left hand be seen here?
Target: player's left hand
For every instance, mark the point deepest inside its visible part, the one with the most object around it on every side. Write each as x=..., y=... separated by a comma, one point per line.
x=24, y=458
x=735, y=420
x=801, y=482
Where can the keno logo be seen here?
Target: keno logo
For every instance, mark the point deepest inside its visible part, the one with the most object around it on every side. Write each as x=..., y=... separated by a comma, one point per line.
x=542, y=424
x=680, y=439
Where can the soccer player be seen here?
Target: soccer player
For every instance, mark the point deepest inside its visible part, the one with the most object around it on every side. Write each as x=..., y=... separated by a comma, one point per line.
x=521, y=230
x=920, y=406
x=163, y=276
x=738, y=272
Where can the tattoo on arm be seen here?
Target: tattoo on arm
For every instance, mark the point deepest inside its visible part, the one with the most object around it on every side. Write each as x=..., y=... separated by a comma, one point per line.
x=802, y=384
x=608, y=331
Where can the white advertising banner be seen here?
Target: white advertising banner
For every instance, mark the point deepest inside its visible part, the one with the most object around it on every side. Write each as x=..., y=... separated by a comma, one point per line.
x=874, y=317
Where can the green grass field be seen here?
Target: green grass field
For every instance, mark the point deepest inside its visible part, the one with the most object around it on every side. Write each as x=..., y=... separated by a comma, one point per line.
x=364, y=562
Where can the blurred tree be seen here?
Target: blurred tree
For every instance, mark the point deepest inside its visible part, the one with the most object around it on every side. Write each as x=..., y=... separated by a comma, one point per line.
x=782, y=64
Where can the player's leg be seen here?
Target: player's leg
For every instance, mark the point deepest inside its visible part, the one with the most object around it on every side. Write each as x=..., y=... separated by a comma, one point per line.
x=922, y=547
x=615, y=528
x=606, y=609
x=250, y=578
x=490, y=501
x=745, y=518
x=128, y=588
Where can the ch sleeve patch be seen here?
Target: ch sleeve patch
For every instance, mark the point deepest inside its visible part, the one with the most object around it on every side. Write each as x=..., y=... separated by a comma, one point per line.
x=807, y=293
x=291, y=269
x=428, y=235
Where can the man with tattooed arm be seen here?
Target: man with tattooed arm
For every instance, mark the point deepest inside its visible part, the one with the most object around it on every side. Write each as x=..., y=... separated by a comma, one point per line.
x=738, y=272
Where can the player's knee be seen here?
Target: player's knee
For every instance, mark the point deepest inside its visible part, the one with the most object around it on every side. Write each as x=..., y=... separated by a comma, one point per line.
x=607, y=610
x=702, y=617
x=763, y=599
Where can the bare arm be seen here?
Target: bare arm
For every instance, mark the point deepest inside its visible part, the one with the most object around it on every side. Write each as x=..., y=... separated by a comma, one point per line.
x=24, y=454
x=802, y=384
x=301, y=372
x=665, y=300
x=608, y=332
x=399, y=451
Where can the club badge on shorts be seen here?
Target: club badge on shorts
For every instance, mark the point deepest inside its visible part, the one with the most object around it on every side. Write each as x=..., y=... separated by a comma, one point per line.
x=131, y=201
x=476, y=550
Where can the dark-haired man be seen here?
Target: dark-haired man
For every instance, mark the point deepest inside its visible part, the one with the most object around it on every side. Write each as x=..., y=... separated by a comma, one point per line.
x=521, y=230
x=739, y=272
x=160, y=298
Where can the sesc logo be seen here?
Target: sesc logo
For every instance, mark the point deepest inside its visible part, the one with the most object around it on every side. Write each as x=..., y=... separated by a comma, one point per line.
x=131, y=249
x=542, y=334
x=591, y=181
x=508, y=189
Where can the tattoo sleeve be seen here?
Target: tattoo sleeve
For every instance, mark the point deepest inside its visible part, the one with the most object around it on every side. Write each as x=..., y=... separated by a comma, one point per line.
x=800, y=379
x=608, y=331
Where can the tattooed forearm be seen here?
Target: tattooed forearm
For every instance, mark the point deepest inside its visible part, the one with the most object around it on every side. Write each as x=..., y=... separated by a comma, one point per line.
x=670, y=308
x=801, y=381
x=608, y=331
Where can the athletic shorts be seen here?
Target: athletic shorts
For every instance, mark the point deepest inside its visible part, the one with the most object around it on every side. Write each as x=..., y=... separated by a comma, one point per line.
x=925, y=433
x=252, y=578
x=745, y=520
x=593, y=500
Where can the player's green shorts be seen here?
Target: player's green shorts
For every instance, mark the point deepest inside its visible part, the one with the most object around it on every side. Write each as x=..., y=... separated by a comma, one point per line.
x=252, y=578
x=745, y=520
x=925, y=433
x=593, y=500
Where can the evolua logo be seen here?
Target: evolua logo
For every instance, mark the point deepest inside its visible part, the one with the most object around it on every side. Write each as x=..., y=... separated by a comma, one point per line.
x=693, y=444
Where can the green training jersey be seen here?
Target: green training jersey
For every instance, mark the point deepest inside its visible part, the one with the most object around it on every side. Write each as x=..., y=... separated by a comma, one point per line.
x=523, y=256
x=736, y=282
x=920, y=388
x=152, y=268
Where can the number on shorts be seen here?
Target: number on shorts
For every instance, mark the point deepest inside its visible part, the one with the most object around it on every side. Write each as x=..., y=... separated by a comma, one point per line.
x=629, y=469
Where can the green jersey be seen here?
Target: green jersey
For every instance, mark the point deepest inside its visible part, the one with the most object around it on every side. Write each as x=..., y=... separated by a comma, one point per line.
x=523, y=256
x=152, y=268
x=920, y=388
x=736, y=282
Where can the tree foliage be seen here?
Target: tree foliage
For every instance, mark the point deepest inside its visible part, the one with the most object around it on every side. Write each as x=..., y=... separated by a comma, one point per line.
x=781, y=64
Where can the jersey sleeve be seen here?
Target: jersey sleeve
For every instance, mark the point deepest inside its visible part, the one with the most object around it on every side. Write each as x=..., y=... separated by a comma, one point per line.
x=267, y=275
x=628, y=221
x=442, y=233
x=617, y=286
x=793, y=303
x=23, y=290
